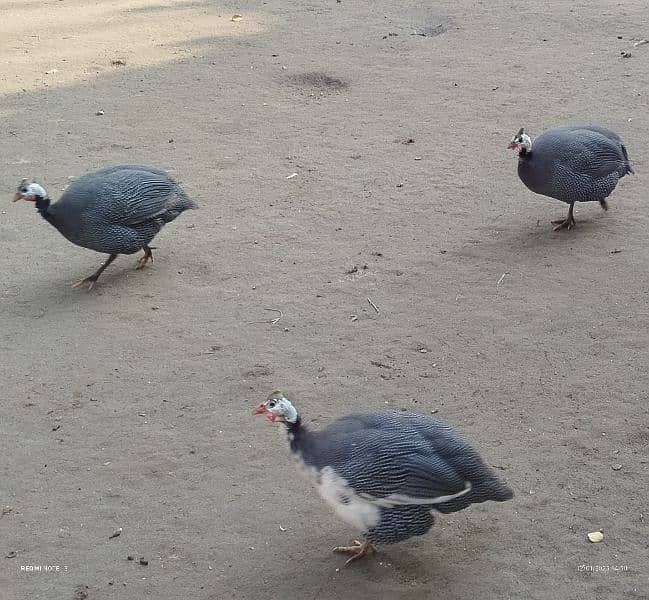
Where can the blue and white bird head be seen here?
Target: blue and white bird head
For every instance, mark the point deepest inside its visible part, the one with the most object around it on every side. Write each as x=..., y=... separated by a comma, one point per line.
x=277, y=407
x=30, y=190
x=521, y=142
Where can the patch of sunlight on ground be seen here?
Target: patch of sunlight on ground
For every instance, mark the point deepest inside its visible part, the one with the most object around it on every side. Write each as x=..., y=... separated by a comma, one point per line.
x=56, y=43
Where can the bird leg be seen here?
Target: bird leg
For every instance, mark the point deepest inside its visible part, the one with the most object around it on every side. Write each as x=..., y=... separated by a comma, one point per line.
x=358, y=550
x=567, y=223
x=603, y=204
x=148, y=256
x=89, y=282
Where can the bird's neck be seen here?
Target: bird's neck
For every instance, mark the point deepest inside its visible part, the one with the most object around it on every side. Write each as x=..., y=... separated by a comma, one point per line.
x=297, y=433
x=43, y=205
x=524, y=154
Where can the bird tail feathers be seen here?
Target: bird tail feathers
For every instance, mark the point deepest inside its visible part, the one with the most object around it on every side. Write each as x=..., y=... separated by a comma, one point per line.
x=626, y=161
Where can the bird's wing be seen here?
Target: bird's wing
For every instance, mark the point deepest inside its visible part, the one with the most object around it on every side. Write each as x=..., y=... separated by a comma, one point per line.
x=140, y=195
x=390, y=468
x=595, y=155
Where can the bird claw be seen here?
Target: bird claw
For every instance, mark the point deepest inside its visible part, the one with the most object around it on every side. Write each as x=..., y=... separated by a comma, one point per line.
x=143, y=260
x=88, y=282
x=564, y=224
x=358, y=550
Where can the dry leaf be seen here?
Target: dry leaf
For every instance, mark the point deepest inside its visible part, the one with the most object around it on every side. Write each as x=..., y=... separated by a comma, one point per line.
x=236, y=18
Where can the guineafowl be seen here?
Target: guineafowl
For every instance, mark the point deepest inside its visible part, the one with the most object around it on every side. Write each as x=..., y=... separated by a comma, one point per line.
x=579, y=163
x=385, y=473
x=116, y=210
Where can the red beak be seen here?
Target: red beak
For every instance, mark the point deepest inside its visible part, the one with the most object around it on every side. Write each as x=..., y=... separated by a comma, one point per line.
x=17, y=197
x=260, y=410
x=512, y=146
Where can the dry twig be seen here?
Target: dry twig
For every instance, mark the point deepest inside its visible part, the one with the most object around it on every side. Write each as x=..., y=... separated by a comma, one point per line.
x=277, y=319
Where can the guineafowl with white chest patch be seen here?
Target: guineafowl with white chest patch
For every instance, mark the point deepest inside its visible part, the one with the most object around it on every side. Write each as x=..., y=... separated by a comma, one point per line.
x=116, y=210
x=577, y=163
x=385, y=473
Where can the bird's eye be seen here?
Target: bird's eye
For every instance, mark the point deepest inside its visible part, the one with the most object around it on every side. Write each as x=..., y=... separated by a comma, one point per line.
x=23, y=190
x=271, y=404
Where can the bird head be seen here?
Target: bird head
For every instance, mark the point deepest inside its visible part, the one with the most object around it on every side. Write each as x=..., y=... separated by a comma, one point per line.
x=521, y=142
x=277, y=407
x=29, y=190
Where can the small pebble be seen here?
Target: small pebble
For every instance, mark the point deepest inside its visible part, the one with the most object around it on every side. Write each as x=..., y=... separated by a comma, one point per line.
x=99, y=113
x=595, y=536
x=129, y=557
x=117, y=533
x=144, y=562
x=616, y=467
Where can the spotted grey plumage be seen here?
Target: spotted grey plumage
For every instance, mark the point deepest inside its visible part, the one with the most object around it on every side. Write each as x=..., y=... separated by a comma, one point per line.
x=115, y=210
x=400, y=523
x=577, y=163
x=385, y=472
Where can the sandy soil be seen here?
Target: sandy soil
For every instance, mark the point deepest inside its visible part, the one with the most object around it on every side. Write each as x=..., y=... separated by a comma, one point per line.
x=130, y=406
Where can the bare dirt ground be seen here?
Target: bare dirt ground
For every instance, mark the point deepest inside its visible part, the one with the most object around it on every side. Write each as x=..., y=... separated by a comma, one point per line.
x=130, y=406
